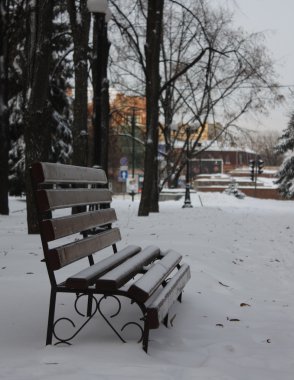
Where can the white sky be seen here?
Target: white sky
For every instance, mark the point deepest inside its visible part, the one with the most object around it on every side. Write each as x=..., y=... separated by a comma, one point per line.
x=275, y=19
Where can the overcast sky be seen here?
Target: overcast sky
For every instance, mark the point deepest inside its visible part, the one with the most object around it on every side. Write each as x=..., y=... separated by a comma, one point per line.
x=276, y=19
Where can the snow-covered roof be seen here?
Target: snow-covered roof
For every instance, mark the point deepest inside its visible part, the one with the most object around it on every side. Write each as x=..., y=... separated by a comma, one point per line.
x=215, y=146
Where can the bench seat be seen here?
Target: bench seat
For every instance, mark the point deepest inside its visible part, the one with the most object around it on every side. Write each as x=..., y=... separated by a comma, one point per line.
x=144, y=287
x=88, y=276
x=157, y=308
x=120, y=275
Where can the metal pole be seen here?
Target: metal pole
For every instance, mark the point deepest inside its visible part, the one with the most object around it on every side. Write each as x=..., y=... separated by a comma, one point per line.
x=255, y=177
x=187, y=202
x=133, y=142
x=133, y=125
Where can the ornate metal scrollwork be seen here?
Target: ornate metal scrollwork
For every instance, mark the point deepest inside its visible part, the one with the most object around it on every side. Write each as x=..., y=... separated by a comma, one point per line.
x=97, y=307
x=114, y=315
x=67, y=340
x=136, y=324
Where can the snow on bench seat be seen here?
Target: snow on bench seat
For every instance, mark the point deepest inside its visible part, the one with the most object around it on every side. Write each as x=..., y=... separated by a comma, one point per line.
x=143, y=288
x=120, y=275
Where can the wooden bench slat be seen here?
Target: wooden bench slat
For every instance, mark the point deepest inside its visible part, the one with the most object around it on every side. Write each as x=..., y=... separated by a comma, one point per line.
x=157, y=309
x=66, y=254
x=143, y=288
x=88, y=276
x=57, y=228
x=124, y=272
x=50, y=173
x=61, y=198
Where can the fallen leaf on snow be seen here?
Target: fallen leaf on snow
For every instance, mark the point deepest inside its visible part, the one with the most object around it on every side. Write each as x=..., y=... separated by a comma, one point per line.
x=227, y=286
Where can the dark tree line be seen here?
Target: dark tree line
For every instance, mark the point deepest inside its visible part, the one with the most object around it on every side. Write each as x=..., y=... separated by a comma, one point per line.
x=40, y=73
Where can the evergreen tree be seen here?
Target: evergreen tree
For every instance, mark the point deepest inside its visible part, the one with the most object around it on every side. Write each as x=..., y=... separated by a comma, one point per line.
x=285, y=173
x=80, y=17
x=16, y=33
x=59, y=102
x=62, y=74
x=4, y=209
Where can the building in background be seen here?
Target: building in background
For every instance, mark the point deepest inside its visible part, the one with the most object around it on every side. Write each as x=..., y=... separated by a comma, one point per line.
x=127, y=131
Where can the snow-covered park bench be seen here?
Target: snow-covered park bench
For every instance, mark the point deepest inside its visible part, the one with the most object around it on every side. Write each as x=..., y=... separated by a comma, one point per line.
x=149, y=278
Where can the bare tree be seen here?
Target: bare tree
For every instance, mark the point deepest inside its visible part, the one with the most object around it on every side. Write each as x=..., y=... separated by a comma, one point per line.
x=80, y=25
x=152, y=52
x=99, y=63
x=210, y=71
x=4, y=207
x=234, y=77
x=263, y=143
x=37, y=130
x=266, y=143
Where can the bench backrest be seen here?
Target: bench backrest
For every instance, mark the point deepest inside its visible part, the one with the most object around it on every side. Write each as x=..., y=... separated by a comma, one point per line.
x=68, y=236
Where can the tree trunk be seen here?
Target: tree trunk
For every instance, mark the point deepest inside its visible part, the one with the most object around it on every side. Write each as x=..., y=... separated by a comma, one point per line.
x=37, y=131
x=153, y=41
x=101, y=48
x=4, y=208
x=154, y=201
x=80, y=25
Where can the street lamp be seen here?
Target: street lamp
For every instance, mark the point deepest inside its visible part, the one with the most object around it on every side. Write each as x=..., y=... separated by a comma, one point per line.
x=189, y=130
x=256, y=168
x=101, y=46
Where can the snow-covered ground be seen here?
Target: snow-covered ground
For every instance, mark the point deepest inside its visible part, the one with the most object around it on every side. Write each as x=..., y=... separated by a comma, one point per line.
x=236, y=321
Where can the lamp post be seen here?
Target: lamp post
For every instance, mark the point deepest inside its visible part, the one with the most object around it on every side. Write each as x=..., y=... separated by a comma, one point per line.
x=256, y=168
x=189, y=130
x=133, y=142
x=101, y=46
x=133, y=124
x=187, y=202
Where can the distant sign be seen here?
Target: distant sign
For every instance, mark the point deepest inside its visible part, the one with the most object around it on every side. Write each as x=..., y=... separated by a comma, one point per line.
x=133, y=184
x=123, y=161
x=123, y=175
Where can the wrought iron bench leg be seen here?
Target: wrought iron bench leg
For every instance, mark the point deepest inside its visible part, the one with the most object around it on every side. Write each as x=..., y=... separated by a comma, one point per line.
x=51, y=317
x=145, y=337
x=89, y=306
x=90, y=297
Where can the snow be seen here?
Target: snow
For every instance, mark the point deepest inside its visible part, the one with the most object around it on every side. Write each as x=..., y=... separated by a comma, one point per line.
x=236, y=321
